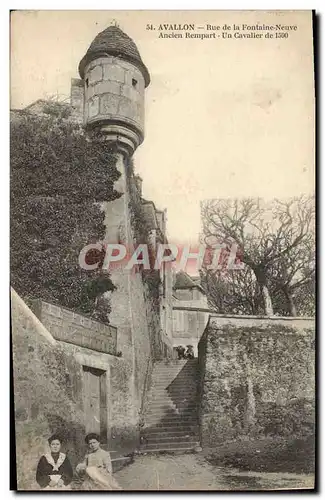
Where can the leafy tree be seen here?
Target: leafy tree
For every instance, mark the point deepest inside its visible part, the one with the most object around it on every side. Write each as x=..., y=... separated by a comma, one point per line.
x=59, y=180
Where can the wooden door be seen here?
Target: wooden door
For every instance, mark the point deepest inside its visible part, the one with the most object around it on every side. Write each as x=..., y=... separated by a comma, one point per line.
x=95, y=401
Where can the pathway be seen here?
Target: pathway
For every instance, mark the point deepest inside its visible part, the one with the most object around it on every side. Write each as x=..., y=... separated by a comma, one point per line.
x=193, y=472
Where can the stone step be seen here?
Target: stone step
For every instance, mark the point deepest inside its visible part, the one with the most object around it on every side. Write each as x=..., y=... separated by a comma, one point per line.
x=163, y=431
x=168, y=420
x=178, y=426
x=170, y=451
x=174, y=389
x=171, y=410
x=187, y=385
x=172, y=368
x=176, y=371
x=173, y=431
x=171, y=377
x=185, y=438
x=169, y=425
x=170, y=417
x=172, y=404
x=171, y=384
x=166, y=396
x=168, y=386
x=171, y=397
x=167, y=409
x=120, y=462
x=170, y=390
x=171, y=422
x=188, y=370
x=177, y=367
x=165, y=415
x=178, y=363
x=168, y=374
x=175, y=374
x=170, y=445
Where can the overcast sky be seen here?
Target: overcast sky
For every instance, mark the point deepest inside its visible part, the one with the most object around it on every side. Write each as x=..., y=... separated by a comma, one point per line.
x=224, y=118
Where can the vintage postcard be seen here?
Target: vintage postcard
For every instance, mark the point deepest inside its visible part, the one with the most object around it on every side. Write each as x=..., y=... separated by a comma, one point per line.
x=163, y=250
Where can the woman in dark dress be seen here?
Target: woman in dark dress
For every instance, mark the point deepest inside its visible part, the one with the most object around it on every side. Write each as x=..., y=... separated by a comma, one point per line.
x=54, y=471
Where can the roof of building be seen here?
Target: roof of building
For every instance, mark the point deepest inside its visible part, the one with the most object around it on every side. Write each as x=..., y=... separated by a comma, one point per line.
x=113, y=41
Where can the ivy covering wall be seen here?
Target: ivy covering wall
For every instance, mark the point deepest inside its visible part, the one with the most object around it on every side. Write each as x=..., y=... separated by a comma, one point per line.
x=58, y=180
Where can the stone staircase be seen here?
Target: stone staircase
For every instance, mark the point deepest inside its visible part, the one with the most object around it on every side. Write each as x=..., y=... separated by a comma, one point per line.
x=171, y=420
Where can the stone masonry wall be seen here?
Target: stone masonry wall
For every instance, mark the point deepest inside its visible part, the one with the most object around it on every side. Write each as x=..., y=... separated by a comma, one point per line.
x=95, y=345
x=48, y=378
x=257, y=378
x=114, y=89
x=73, y=328
x=122, y=430
x=47, y=394
x=132, y=309
x=188, y=325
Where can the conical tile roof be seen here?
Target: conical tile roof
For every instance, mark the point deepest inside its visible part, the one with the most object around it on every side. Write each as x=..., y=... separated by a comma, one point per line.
x=113, y=41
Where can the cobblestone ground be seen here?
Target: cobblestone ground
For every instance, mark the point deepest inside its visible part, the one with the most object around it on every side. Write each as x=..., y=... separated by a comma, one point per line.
x=193, y=472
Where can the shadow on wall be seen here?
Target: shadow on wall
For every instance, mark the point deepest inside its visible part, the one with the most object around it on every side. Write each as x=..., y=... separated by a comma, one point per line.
x=185, y=384
x=183, y=392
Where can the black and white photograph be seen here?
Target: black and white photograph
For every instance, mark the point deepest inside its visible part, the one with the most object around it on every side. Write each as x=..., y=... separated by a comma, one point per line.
x=162, y=250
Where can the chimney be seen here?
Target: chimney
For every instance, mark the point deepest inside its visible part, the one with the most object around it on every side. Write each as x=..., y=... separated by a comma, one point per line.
x=77, y=98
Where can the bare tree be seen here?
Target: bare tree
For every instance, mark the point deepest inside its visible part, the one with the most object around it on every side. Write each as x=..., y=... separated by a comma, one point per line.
x=232, y=292
x=276, y=240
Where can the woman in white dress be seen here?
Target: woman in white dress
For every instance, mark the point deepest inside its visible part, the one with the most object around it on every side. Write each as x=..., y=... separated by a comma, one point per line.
x=96, y=467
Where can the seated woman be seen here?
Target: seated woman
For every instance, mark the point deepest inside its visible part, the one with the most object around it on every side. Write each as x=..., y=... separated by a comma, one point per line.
x=54, y=471
x=97, y=467
x=180, y=352
x=189, y=352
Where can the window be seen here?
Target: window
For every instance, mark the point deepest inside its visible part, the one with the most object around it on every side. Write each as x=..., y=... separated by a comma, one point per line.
x=134, y=82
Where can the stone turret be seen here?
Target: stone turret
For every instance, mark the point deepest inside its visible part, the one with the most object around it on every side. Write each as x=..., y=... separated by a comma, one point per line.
x=115, y=79
x=110, y=97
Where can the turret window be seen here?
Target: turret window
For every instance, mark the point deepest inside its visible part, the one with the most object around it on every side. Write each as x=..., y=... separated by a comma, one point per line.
x=134, y=83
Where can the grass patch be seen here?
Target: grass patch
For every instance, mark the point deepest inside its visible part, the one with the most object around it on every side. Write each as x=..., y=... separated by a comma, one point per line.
x=295, y=456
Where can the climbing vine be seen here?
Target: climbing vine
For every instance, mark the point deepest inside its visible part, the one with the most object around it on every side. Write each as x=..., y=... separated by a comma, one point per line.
x=58, y=181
